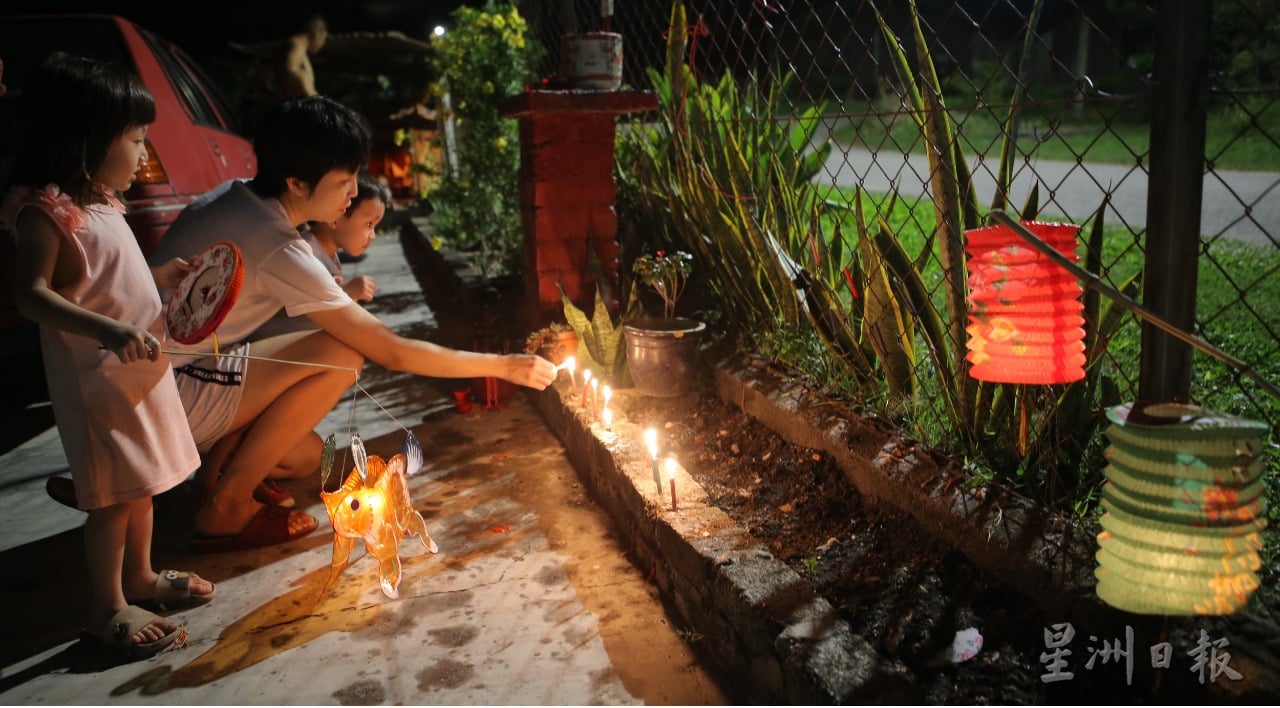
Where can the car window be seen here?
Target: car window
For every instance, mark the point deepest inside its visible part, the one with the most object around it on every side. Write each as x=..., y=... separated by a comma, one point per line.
x=211, y=92
x=189, y=92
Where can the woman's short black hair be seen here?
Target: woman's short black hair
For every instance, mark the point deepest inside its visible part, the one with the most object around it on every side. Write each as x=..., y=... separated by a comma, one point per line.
x=73, y=109
x=305, y=138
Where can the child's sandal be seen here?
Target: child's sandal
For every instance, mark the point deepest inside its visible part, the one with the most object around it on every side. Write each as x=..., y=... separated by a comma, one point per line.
x=119, y=630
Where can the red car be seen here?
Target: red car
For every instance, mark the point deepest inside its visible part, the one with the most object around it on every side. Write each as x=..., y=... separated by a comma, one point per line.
x=194, y=145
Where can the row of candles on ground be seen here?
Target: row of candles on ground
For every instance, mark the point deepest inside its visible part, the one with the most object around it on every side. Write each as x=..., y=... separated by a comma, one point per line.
x=593, y=386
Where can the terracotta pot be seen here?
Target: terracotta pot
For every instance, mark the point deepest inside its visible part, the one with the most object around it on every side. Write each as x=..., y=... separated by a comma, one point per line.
x=662, y=355
x=565, y=344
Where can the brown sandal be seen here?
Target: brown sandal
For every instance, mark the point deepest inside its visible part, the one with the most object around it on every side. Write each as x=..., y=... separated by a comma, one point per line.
x=119, y=630
x=268, y=492
x=270, y=526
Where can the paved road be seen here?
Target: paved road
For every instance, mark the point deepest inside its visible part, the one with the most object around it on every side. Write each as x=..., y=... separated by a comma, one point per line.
x=1243, y=206
x=531, y=600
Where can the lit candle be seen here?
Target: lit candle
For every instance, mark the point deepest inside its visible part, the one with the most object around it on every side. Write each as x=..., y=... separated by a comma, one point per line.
x=586, y=378
x=608, y=393
x=595, y=386
x=608, y=418
x=651, y=440
x=568, y=363
x=671, y=476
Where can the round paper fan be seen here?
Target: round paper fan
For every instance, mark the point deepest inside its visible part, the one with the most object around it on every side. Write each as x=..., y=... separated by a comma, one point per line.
x=206, y=294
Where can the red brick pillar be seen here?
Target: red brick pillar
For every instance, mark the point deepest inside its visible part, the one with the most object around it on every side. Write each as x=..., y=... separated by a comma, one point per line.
x=567, y=192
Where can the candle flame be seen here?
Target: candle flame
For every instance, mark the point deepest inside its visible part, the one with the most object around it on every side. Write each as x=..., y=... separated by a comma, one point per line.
x=586, y=375
x=607, y=393
x=595, y=383
x=671, y=467
x=651, y=440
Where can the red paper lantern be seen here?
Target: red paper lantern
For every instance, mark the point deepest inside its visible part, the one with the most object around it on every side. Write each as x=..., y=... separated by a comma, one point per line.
x=1025, y=322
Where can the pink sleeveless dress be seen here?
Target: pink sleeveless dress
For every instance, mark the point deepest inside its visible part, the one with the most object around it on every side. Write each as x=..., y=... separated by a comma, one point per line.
x=122, y=425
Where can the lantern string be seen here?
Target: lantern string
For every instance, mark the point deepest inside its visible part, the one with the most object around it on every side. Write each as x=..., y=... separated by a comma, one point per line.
x=1096, y=283
x=379, y=405
x=175, y=352
x=354, y=372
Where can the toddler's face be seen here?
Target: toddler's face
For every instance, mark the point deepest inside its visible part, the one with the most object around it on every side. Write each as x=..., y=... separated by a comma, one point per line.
x=124, y=157
x=355, y=232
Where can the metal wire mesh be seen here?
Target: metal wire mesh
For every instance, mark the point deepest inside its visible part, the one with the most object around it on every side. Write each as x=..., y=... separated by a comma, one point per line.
x=1079, y=74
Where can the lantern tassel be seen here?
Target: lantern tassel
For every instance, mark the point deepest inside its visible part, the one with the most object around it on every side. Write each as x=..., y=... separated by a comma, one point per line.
x=1023, y=423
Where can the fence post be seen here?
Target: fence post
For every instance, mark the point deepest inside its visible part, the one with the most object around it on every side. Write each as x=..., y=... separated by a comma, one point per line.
x=1179, y=104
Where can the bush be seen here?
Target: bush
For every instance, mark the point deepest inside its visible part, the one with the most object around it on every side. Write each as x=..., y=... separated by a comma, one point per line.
x=482, y=59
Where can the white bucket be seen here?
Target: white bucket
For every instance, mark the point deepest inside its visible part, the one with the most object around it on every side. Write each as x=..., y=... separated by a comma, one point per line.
x=592, y=61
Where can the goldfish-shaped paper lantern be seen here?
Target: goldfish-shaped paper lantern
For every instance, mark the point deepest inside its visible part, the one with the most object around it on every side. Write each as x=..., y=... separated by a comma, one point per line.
x=373, y=504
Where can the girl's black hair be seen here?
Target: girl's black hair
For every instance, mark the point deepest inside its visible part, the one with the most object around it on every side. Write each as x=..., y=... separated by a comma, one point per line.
x=73, y=109
x=305, y=138
x=368, y=187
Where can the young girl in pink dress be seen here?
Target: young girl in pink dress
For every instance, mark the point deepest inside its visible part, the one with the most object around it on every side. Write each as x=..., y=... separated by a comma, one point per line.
x=82, y=277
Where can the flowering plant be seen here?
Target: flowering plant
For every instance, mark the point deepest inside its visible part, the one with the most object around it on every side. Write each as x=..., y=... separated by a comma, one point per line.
x=480, y=60
x=666, y=273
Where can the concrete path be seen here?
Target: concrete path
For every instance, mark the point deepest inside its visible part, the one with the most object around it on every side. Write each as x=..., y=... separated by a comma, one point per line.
x=531, y=599
x=1243, y=206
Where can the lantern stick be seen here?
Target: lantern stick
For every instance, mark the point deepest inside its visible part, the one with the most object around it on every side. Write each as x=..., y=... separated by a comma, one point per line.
x=1096, y=283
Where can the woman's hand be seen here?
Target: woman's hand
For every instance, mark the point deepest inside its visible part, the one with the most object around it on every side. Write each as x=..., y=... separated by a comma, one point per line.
x=170, y=273
x=529, y=370
x=130, y=343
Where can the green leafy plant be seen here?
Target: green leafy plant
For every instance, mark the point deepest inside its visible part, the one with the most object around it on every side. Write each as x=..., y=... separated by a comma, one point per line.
x=1016, y=429
x=667, y=274
x=601, y=346
x=723, y=175
x=482, y=59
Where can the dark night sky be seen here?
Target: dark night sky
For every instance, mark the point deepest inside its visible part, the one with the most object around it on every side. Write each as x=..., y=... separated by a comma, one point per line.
x=208, y=27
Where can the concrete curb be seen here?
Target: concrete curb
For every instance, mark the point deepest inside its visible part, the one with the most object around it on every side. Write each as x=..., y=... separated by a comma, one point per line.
x=748, y=613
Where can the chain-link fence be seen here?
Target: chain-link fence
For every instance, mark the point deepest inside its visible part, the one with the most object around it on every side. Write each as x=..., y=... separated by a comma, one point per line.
x=1158, y=139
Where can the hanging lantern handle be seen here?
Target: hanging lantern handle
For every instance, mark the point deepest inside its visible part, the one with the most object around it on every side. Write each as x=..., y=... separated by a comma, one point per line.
x=1096, y=283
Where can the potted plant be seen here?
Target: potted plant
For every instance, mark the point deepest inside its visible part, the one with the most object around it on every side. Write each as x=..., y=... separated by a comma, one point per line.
x=662, y=352
x=552, y=342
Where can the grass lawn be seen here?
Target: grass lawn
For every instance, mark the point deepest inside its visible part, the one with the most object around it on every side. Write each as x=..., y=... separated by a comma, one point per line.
x=1235, y=140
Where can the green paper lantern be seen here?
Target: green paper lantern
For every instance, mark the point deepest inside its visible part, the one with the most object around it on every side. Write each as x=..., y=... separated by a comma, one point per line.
x=1182, y=510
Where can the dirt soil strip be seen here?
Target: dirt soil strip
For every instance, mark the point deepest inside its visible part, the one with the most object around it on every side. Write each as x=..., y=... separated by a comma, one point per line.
x=1048, y=558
